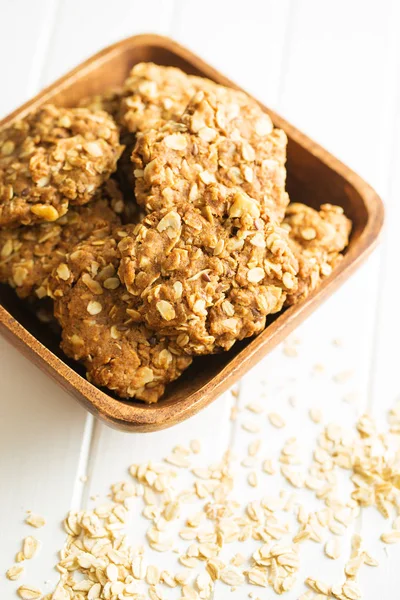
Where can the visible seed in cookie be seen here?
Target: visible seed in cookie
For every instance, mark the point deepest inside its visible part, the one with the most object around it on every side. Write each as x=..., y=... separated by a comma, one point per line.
x=93, y=149
x=111, y=283
x=63, y=271
x=166, y=310
x=172, y=221
x=219, y=247
x=7, y=249
x=45, y=212
x=199, y=307
x=19, y=276
x=94, y=307
x=248, y=152
x=206, y=177
x=207, y=134
x=255, y=275
x=7, y=148
x=228, y=308
x=308, y=233
x=258, y=240
x=176, y=141
x=92, y=285
x=243, y=205
x=178, y=288
x=289, y=281
x=263, y=126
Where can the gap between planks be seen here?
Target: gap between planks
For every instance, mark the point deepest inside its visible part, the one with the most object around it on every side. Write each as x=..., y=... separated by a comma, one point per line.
x=385, y=259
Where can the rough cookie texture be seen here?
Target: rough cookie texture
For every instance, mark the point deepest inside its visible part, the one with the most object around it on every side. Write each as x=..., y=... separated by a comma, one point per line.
x=53, y=158
x=317, y=239
x=109, y=102
x=213, y=142
x=153, y=94
x=205, y=284
x=99, y=328
x=29, y=254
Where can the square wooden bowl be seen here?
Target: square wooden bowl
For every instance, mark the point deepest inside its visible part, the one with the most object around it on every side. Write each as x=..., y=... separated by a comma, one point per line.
x=314, y=177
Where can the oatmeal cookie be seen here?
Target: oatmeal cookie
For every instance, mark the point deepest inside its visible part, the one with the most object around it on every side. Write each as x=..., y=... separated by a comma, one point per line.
x=51, y=159
x=233, y=145
x=205, y=284
x=317, y=239
x=99, y=328
x=29, y=254
x=153, y=94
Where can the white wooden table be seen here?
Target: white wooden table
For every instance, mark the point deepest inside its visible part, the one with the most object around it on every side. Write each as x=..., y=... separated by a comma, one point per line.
x=333, y=69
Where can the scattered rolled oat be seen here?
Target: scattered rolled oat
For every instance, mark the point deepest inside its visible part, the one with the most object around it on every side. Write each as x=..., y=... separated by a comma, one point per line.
x=276, y=420
x=392, y=537
x=255, y=407
x=195, y=446
x=315, y=415
x=252, y=479
x=28, y=592
x=97, y=557
x=15, y=572
x=268, y=467
x=35, y=520
x=343, y=376
x=251, y=427
x=30, y=546
x=332, y=549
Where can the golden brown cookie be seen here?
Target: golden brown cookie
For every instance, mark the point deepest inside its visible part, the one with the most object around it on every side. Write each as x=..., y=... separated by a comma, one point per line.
x=317, y=239
x=204, y=283
x=29, y=254
x=152, y=94
x=99, y=329
x=227, y=143
x=54, y=158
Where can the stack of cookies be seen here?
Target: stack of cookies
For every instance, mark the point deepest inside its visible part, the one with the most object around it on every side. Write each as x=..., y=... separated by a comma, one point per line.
x=155, y=218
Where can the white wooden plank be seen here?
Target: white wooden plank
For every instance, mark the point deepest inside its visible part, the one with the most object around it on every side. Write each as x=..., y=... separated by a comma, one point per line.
x=334, y=99
x=23, y=43
x=41, y=429
x=113, y=451
x=338, y=87
x=244, y=40
x=83, y=29
x=385, y=388
x=329, y=43
x=385, y=385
